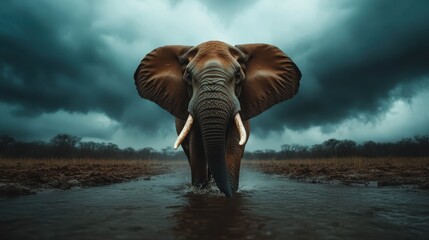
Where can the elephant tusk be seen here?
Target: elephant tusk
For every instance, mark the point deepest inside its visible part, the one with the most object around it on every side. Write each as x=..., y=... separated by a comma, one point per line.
x=241, y=129
x=184, y=132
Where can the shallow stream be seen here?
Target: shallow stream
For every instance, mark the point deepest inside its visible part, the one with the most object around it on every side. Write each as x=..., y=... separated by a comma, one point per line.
x=266, y=207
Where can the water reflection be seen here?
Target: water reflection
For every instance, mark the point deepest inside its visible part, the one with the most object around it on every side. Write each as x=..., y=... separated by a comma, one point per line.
x=214, y=217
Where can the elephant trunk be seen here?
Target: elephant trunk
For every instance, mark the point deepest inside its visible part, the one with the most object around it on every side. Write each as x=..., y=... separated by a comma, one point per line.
x=214, y=115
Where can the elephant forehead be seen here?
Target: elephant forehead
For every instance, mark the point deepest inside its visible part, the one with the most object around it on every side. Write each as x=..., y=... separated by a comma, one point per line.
x=212, y=49
x=213, y=46
x=213, y=53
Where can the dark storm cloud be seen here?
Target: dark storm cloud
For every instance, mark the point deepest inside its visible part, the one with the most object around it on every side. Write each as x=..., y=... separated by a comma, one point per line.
x=354, y=67
x=53, y=58
x=69, y=64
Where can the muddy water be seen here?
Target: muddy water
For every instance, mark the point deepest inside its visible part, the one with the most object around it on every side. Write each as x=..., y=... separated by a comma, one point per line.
x=267, y=207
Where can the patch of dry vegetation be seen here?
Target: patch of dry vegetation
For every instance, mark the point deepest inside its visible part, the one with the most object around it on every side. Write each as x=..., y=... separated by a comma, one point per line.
x=356, y=170
x=23, y=176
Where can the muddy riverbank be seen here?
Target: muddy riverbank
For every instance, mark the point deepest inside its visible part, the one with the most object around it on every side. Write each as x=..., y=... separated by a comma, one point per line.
x=409, y=172
x=23, y=177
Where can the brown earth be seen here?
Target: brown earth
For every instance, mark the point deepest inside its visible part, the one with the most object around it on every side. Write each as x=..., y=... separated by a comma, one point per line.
x=22, y=177
x=413, y=172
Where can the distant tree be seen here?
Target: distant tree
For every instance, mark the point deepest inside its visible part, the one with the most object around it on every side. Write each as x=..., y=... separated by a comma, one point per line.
x=422, y=139
x=90, y=149
x=65, y=141
x=330, y=147
x=317, y=151
x=286, y=147
x=292, y=151
x=269, y=154
x=265, y=154
x=5, y=142
x=422, y=144
x=65, y=145
x=128, y=153
x=168, y=151
x=89, y=146
x=38, y=149
x=346, y=148
x=146, y=153
x=369, y=149
x=405, y=147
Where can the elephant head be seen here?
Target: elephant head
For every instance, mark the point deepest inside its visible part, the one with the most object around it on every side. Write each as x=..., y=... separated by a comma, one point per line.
x=215, y=87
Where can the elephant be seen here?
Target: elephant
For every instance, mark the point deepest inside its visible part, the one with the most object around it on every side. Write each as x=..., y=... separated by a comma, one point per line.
x=213, y=89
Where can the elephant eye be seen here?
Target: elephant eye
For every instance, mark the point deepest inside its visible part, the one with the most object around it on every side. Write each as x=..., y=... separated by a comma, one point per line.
x=238, y=76
x=188, y=77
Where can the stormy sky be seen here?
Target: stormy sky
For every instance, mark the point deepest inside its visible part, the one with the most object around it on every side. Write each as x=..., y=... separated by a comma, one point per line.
x=67, y=67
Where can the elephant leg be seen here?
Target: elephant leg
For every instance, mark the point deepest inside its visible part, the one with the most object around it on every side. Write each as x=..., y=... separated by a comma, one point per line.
x=193, y=147
x=234, y=153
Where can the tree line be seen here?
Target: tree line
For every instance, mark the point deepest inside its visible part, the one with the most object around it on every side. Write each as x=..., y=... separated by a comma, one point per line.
x=406, y=147
x=66, y=146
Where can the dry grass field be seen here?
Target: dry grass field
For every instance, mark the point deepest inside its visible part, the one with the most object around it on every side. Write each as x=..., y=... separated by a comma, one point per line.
x=353, y=171
x=24, y=176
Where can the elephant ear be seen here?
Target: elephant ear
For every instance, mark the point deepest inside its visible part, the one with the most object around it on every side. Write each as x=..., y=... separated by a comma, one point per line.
x=270, y=77
x=159, y=78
